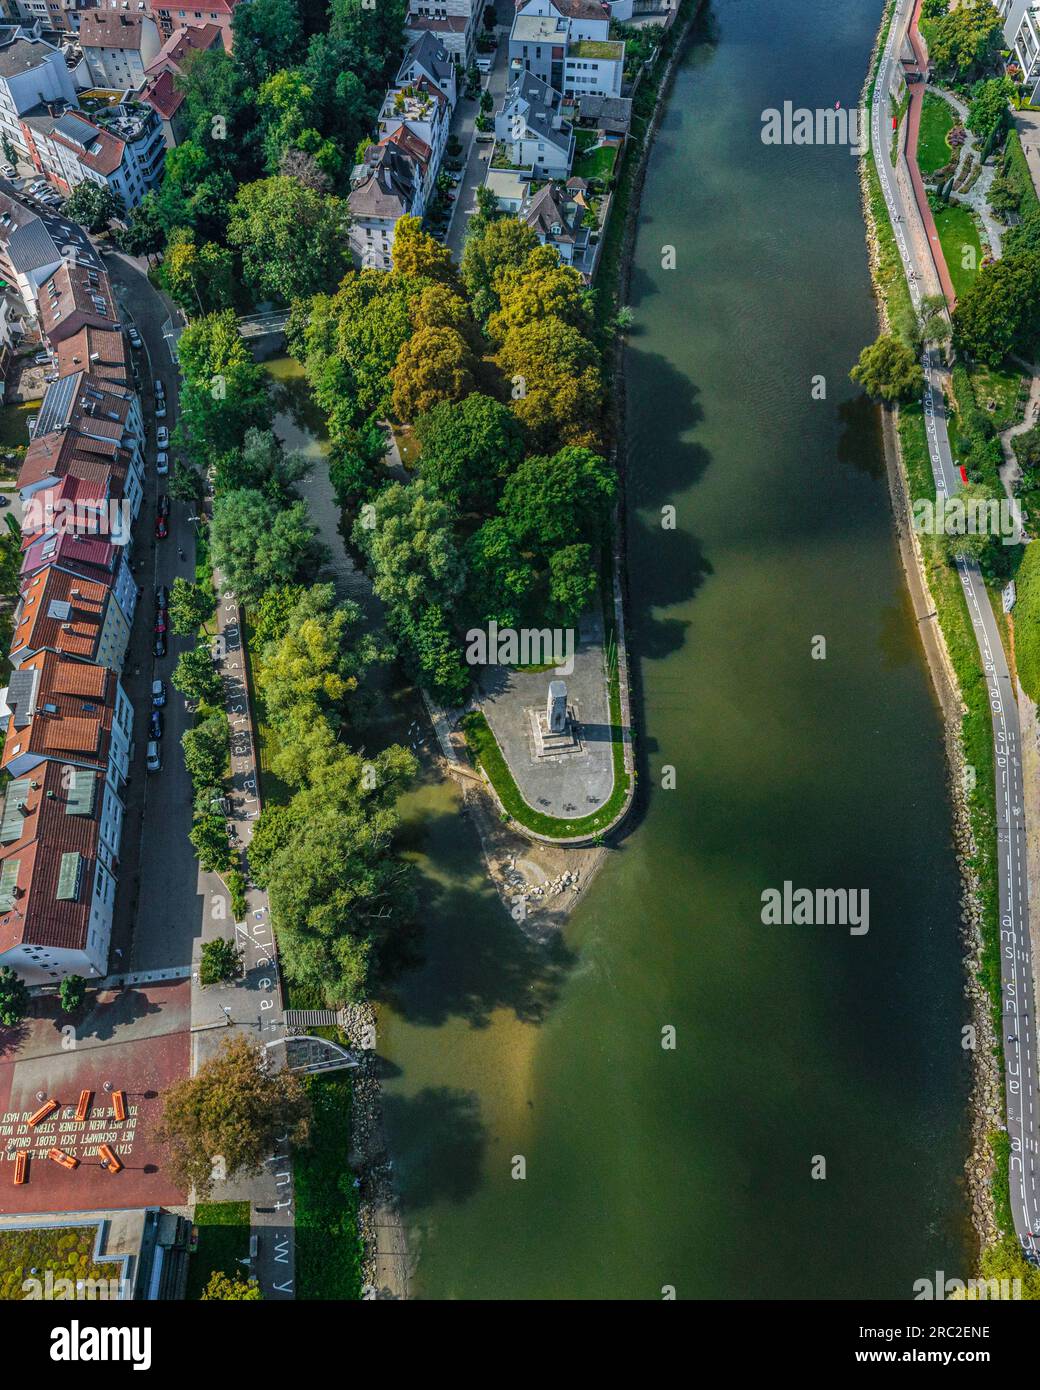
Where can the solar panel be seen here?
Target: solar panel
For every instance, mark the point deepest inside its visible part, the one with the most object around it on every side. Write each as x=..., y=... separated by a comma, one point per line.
x=8, y=880
x=80, y=800
x=12, y=821
x=68, y=876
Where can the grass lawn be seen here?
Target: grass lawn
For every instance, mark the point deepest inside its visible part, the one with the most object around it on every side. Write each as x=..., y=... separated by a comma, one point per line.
x=14, y=423
x=937, y=120
x=596, y=164
x=1006, y=386
x=407, y=445
x=958, y=233
x=223, y=1239
x=67, y=1251
x=328, y=1246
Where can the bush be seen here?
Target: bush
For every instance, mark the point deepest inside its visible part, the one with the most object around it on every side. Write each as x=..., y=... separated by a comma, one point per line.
x=221, y=960
x=72, y=992
x=236, y=886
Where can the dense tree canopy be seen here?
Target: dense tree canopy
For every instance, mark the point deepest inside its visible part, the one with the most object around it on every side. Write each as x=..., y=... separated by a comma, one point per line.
x=292, y=240
x=1000, y=311
x=889, y=371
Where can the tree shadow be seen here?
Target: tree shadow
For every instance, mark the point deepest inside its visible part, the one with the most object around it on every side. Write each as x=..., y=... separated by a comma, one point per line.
x=439, y=1139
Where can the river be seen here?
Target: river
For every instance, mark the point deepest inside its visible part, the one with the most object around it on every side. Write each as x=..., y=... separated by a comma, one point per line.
x=545, y=1143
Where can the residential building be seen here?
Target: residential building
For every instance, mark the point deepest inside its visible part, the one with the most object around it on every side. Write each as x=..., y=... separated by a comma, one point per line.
x=67, y=712
x=126, y=154
x=29, y=255
x=118, y=46
x=417, y=120
x=73, y=297
x=101, y=351
x=567, y=44
x=531, y=126
x=62, y=16
x=387, y=187
x=556, y=215
x=96, y=559
x=1022, y=36
x=72, y=617
x=609, y=115
x=32, y=74
x=60, y=831
x=170, y=17
x=428, y=63
x=161, y=92
x=451, y=22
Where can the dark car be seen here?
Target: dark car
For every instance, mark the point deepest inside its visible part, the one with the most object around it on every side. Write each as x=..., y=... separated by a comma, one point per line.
x=164, y=504
x=158, y=694
x=162, y=596
x=161, y=531
x=155, y=725
x=160, y=644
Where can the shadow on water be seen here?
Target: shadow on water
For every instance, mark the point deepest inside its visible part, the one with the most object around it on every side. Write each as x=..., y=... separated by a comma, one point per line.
x=441, y=1131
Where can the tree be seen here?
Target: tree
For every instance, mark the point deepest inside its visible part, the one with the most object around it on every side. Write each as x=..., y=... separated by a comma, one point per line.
x=195, y=675
x=71, y=992
x=888, y=371
x=292, y=239
x=467, y=449
x=298, y=164
x=256, y=545
x=557, y=388
x=355, y=462
x=558, y=501
x=94, y=205
x=209, y=839
x=145, y=232
x=14, y=997
x=186, y=483
x=221, y=960
x=988, y=112
x=435, y=365
x=232, y=1287
x=272, y=613
x=535, y=290
x=199, y=278
x=500, y=578
x=262, y=464
x=572, y=582
x=966, y=40
x=312, y=664
x=1000, y=310
x=504, y=242
x=236, y=1107
x=206, y=749
x=268, y=34
x=224, y=392
x=190, y=606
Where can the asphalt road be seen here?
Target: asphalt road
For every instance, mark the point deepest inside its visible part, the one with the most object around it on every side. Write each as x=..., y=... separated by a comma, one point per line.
x=1016, y=956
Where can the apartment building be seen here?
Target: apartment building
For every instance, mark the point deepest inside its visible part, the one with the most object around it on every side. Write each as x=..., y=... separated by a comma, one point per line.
x=72, y=617
x=29, y=255
x=530, y=124
x=126, y=154
x=118, y=46
x=567, y=44
x=33, y=74
x=96, y=559
x=388, y=186
x=170, y=17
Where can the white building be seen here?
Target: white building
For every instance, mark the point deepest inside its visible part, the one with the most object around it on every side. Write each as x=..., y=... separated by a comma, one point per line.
x=1022, y=35
x=118, y=45
x=531, y=126
x=387, y=187
x=567, y=44
x=32, y=74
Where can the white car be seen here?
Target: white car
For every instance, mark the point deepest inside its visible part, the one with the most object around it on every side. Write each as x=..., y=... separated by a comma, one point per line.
x=162, y=462
x=134, y=336
x=154, y=758
x=8, y=172
x=162, y=437
x=160, y=409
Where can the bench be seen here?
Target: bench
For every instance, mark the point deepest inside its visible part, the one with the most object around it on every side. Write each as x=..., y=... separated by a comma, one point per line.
x=119, y=1105
x=108, y=1159
x=66, y=1160
x=21, y=1167
x=47, y=1108
x=83, y=1108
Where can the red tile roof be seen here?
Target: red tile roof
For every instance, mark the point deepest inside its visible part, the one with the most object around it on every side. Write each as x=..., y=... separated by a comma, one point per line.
x=61, y=612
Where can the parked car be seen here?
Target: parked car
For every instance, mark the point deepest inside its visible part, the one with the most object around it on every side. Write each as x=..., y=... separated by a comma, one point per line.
x=161, y=620
x=162, y=437
x=161, y=529
x=162, y=596
x=42, y=359
x=154, y=759
x=160, y=389
x=9, y=172
x=158, y=694
x=155, y=725
x=162, y=462
x=164, y=504
x=160, y=410
x=160, y=644
x=134, y=336
x=5, y=501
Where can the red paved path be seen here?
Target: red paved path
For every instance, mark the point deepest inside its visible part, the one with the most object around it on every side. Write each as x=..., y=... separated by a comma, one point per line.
x=917, y=90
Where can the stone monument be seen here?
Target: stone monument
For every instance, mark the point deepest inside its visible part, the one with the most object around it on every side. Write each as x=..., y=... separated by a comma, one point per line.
x=556, y=708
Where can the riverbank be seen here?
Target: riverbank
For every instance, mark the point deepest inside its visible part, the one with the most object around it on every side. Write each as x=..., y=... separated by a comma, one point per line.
x=940, y=617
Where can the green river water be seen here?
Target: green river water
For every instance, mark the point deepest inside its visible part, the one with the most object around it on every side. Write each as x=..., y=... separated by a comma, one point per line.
x=692, y=1168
